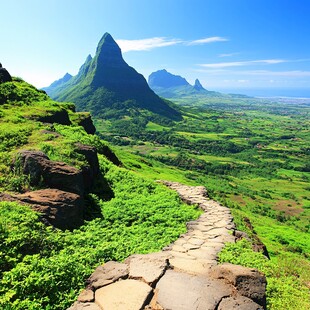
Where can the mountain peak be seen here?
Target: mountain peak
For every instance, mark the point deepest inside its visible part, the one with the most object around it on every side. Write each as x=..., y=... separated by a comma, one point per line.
x=198, y=85
x=108, y=49
x=162, y=78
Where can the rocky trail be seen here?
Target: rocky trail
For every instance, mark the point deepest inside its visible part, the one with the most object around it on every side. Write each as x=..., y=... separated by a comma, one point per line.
x=184, y=275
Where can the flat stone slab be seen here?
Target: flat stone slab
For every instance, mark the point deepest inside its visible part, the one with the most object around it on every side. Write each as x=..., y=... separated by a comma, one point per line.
x=181, y=291
x=124, y=294
x=238, y=303
x=84, y=306
x=149, y=268
x=192, y=266
x=107, y=274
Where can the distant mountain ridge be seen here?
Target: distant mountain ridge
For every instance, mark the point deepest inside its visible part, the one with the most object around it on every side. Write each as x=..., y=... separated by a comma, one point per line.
x=170, y=86
x=106, y=81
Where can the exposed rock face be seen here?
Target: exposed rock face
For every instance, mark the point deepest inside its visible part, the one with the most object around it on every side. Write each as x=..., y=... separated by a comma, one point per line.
x=62, y=204
x=54, y=174
x=61, y=209
x=91, y=171
x=163, y=78
x=59, y=117
x=257, y=244
x=4, y=75
x=87, y=123
x=249, y=282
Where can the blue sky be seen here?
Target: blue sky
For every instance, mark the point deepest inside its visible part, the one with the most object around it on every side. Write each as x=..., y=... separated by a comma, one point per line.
x=227, y=44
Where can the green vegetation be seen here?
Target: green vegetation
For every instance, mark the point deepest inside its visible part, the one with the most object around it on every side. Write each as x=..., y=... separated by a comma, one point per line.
x=45, y=268
x=253, y=156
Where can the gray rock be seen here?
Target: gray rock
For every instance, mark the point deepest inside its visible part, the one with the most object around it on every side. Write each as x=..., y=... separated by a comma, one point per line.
x=107, y=274
x=149, y=267
x=181, y=291
x=238, y=303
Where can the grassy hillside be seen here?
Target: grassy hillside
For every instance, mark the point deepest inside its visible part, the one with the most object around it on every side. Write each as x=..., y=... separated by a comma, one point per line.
x=45, y=268
x=253, y=156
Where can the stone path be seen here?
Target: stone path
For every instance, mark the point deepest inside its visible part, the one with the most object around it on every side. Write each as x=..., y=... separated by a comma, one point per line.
x=184, y=275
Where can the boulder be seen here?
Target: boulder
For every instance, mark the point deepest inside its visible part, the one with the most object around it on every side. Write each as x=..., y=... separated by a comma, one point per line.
x=4, y=75
x=54, y=174
x=248, y=282
x=61, y=209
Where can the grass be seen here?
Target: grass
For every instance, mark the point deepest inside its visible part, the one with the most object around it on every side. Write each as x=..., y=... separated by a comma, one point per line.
x=257, y=166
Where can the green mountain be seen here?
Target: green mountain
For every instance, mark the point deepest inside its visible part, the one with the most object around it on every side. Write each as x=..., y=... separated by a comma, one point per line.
x=55, y=86
x=107, y=83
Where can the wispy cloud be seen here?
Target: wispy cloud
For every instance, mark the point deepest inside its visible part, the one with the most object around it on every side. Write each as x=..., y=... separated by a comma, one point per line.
x=228, y=55
x=156, y=42
x=242, y=63
x=206, y=41
x=146, y=44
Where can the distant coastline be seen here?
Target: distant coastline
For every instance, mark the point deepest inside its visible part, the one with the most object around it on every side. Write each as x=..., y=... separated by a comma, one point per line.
x=292, y=93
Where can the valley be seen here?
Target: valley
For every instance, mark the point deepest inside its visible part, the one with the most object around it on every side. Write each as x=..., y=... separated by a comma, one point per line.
x=79, y=189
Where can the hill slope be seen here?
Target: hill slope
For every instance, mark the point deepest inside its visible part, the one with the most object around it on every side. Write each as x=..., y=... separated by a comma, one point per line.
x=107, y=82
x=46, y=153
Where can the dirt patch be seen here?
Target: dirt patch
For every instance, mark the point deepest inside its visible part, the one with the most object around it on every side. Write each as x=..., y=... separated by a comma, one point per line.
x=289, y=207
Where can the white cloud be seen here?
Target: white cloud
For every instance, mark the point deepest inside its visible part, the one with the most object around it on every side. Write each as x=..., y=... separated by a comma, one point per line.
x=151, y=43
x=242, y=63
x=228, y=55
x=146, y=44
x=206, y=40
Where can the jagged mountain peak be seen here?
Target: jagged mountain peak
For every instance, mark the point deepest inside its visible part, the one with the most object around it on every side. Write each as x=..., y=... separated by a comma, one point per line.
x=198, y=85
x=106, y=81
x=108, y=52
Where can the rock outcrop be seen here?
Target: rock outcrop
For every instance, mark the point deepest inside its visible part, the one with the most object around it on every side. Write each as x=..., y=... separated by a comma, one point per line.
x=4, y=75
x=184, y=276
x=53, y=174
x=86, y=122
x=59, y=117
x=62, y=204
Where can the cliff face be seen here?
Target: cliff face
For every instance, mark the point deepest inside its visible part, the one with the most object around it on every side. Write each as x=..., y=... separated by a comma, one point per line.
x=107, y=81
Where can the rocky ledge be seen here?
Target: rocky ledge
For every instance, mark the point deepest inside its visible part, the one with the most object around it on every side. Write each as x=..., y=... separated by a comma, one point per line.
x=61, y=201
x=184, y=275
